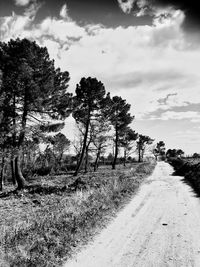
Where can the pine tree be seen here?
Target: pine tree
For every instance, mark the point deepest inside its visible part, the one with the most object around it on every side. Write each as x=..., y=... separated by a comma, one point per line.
x=87, y=104
x=120, y=118
x=142, y=142
x=34, y=92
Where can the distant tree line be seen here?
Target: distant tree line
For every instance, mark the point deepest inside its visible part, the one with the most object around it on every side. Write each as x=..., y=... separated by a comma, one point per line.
x=34, y=103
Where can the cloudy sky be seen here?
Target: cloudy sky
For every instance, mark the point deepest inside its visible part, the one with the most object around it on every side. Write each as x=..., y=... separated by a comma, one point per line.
x=146, y=51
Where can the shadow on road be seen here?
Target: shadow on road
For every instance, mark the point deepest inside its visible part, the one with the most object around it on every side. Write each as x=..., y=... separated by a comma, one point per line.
x=194, y=188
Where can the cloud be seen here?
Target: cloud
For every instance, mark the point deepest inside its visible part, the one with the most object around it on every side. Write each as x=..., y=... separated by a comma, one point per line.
x=126, y=6
x=32, y=9
x=137, y=7
x=193, y=116
x=14, y=26
x=64, y=12
x=153, y=66
x=22, y=2
x=143, y=64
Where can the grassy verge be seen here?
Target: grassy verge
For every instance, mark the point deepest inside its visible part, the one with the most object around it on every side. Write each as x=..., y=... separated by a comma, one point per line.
x=40, y=229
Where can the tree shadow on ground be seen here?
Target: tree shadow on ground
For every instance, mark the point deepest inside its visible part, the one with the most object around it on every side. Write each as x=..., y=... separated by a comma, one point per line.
x=31, y=189
x=194, y=187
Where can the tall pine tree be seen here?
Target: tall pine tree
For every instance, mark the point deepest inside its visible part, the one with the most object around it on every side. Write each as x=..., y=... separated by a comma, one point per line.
x=87, y=105
x=120, y=118
x=34, y=92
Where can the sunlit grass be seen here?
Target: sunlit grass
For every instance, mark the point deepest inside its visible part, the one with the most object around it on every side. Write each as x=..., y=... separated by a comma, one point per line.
x=44, y=230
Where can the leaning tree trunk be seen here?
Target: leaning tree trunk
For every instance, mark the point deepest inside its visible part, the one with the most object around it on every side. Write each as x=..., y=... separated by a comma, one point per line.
x=116, y=151
x=84, y=146
x=86, y=159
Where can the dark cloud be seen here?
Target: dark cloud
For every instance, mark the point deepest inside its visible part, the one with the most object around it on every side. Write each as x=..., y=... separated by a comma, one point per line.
x=109, y=13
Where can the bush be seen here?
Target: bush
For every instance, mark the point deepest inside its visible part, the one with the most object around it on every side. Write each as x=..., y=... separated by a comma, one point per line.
x=190, y=169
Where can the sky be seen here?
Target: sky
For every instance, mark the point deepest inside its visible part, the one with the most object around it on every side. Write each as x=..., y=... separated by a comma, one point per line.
x=146, y=51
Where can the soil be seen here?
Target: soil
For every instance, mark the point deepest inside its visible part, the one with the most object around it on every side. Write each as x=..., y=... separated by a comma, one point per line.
x=159, y=227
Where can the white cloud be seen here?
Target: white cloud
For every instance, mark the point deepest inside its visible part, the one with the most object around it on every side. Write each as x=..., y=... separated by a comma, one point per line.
x=126, y=6
x=143, y=64
x=193, y=116
x=64, y=12
x=22, y=2
x=138, y=7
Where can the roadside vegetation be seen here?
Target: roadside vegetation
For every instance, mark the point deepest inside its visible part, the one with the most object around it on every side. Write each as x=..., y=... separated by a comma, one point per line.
x=44, y=229
x=189, y=168
x=54, y=191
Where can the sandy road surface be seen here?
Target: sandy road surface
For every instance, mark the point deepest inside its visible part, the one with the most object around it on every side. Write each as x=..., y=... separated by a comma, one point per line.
x=159, y=227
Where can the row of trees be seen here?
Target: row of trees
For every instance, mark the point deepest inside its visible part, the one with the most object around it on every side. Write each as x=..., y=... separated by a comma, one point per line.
x=34, y=102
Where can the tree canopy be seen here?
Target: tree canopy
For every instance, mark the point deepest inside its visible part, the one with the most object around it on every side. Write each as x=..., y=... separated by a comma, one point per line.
x=87, y=105
x=120, y=117
x=33, y=91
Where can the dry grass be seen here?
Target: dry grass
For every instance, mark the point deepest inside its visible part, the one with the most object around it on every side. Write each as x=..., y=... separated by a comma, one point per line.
x=44, y=229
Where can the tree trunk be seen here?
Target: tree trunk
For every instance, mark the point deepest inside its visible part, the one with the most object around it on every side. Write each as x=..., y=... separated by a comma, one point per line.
x=97, y=159
x=139, y=154
x=124, y=157
x=116, y=151
x=2, y=173
x=12, y=164
x=21, y=182
x=86, y=159
x=83, y=148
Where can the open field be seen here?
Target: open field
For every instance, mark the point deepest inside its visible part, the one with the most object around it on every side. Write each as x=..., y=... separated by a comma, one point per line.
x=43, y=227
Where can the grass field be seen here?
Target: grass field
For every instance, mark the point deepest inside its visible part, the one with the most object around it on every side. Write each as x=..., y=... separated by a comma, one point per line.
x=45, y=225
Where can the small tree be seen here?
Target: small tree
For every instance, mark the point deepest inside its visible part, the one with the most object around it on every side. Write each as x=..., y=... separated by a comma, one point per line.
x=60, y=144
x=142, y=143
x=173, y=153
x=159, y=149
x=127, y=141
x=196, y=155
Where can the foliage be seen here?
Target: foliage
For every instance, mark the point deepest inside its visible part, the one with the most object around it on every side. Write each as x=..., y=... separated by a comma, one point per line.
x=142, y=142
x=174, y=153
x=120, y=118
x=48, y=227
x=127, y=141
x=60, y=144
x=87, y=103
x=190, y=169
x=159, y=149
x=33, y=91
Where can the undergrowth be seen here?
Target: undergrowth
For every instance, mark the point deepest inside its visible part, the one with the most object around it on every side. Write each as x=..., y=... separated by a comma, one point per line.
x=44, y=230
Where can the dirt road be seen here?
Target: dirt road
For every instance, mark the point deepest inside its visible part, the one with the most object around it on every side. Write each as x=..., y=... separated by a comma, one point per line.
x=159, y=227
